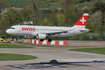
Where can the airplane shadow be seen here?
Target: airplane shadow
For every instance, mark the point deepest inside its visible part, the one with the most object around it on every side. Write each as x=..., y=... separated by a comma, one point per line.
x=56, y=63
x=53, y=64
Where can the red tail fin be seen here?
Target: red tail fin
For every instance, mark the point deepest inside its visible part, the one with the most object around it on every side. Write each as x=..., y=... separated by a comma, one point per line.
x=82, y=21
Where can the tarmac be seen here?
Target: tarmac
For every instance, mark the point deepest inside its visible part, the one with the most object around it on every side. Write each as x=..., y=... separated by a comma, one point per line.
x=54, y=58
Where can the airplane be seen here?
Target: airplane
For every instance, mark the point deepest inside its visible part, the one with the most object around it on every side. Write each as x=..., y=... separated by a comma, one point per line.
x=42, y=32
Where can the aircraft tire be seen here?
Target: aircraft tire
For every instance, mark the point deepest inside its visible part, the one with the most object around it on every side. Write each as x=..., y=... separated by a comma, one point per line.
x=49, y=40
x=42, y=40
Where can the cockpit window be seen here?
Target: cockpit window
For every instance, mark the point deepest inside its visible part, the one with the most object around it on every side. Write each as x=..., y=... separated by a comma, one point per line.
x=11, y=28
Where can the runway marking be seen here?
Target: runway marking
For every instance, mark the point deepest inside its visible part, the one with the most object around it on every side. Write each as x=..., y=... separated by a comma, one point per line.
x=53, y=50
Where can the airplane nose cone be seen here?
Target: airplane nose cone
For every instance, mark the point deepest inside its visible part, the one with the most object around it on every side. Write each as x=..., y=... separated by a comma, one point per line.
x=7, y=31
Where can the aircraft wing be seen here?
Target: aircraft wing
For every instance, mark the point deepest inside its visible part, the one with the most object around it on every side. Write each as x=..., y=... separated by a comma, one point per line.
x=49, y=32
x=53, y=33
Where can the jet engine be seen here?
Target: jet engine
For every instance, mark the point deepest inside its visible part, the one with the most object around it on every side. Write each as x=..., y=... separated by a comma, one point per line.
x=29, y=36
x=41, y=36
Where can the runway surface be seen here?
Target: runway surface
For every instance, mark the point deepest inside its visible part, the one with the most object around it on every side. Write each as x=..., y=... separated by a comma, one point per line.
x=47, y=57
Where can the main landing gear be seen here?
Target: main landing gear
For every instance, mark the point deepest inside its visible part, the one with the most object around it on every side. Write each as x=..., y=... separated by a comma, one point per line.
x=42, y=40
x=49, y=40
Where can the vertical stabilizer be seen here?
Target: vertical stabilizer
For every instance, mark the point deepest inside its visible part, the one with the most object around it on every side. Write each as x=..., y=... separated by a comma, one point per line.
x=82, y=21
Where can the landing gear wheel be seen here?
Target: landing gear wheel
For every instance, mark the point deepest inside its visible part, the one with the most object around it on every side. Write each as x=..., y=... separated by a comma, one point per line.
x=42, y=40
x=49, y=40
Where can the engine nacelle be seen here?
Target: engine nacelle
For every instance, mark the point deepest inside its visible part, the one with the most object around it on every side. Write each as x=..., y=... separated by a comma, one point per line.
x=29, y=36
x=41, y=36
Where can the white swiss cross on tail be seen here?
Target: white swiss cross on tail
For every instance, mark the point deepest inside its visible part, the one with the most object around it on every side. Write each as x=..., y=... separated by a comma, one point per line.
x=82, y=21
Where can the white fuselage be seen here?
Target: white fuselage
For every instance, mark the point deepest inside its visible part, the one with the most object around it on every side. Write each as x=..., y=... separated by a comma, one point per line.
x=53, y=30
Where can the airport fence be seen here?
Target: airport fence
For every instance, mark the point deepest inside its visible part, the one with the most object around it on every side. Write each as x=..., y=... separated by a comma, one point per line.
x=45, y=42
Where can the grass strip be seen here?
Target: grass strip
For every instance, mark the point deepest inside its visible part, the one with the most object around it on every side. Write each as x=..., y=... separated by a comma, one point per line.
x=90, y=50
x=5, y=56
x=12, y=46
